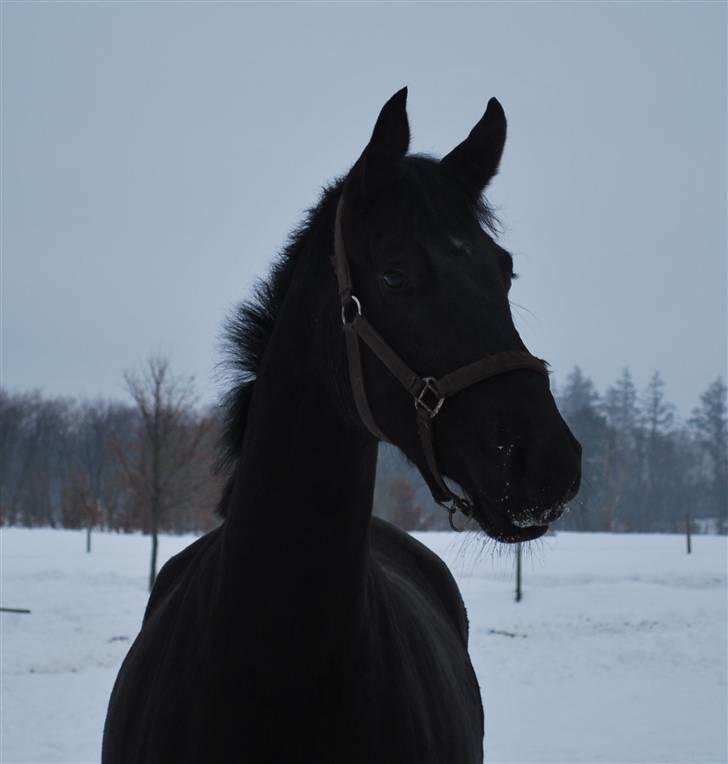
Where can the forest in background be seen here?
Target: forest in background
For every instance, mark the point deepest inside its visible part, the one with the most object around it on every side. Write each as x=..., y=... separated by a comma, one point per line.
x=148, y=464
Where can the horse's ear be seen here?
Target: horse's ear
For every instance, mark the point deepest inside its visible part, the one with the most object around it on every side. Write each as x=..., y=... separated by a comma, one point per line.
x=475, y=161
x=391, y=133
x=388, y=144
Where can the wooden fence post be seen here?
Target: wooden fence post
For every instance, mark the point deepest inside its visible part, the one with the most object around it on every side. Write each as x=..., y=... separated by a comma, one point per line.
x=688, y=530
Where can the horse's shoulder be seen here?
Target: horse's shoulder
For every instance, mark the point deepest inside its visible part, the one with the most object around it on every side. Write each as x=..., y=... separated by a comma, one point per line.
x=399, y=549
x=176, y=569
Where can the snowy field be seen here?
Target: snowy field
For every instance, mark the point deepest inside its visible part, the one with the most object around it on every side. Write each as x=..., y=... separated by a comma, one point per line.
x=617, y=652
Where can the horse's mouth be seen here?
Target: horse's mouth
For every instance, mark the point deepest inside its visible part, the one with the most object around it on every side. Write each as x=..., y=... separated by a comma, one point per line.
x=501, y=527
x=497, y=523
x=518, y=518
x=505, y=531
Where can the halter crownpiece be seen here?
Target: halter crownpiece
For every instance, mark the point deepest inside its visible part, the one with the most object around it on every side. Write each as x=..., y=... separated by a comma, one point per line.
x=428, y=393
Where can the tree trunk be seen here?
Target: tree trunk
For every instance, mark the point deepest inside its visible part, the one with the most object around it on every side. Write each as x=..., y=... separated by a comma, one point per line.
x=156, y=478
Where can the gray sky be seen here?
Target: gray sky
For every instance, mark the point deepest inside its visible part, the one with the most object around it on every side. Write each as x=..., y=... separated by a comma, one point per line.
x=156, y=155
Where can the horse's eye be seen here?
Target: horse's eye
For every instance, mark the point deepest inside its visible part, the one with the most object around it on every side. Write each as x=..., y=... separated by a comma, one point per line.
x=395, y=279
x=459, y=247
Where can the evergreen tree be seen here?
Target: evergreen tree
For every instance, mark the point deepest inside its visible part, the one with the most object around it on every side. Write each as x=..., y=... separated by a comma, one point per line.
x=658, y=415
x=709, y=423
x=580, y=405
x=621, y=407
x=661, y=492
x=578, y=395
x=624, y=455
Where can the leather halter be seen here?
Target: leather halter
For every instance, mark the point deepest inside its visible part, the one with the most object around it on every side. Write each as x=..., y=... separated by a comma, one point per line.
x=428, y=393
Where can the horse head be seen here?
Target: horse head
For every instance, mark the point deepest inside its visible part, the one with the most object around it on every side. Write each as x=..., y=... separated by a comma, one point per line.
x=424, y=265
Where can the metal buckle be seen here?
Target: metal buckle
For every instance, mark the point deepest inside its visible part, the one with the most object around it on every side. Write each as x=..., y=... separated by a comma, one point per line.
x=431, y=407
x=347, y=303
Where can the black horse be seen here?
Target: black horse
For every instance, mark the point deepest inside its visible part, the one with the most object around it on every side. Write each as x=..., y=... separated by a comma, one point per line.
x=302, y=629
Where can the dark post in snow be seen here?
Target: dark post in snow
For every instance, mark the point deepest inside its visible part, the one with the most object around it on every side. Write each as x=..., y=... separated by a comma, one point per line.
x=519, y=594
x=688, y=538
x=93, y=515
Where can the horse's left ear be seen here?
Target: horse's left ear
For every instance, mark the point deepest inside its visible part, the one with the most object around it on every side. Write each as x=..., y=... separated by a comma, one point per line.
x=391, y=133
x=475, y=161
x=390, y=139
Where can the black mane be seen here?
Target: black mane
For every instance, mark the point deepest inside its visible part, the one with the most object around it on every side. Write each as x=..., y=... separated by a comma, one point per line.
x=248, y=330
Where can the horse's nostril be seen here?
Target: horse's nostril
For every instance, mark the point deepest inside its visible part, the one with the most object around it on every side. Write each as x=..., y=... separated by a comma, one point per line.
x=555, y=512
x=574, y=487
x=550, y=515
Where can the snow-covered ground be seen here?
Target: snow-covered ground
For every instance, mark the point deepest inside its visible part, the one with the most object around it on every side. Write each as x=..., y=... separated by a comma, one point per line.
x=617, y=652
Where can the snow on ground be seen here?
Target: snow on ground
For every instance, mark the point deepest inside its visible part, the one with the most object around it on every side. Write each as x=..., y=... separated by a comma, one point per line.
x=617, y=652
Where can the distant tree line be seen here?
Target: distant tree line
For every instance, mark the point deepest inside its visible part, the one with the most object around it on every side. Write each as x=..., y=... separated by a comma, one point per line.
x=148, y=464
x=144, y=465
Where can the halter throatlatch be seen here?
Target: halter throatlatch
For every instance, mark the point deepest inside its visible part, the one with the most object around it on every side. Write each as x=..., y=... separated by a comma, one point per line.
x=428, y=393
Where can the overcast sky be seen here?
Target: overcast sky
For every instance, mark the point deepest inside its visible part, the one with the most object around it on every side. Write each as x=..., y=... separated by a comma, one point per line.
x=155, y=157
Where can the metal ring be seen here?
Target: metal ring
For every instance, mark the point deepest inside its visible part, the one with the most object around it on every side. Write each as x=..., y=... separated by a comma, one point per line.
x=356, y=302
x=450, y=515
x=452, y=505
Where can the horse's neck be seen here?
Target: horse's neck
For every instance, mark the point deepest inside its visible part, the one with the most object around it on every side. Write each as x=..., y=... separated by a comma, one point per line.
x=296, y=537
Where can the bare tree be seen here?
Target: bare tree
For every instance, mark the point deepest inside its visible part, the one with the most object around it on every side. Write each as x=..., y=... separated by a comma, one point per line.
x=80, y=502
x=160, y=464
x=89, y=482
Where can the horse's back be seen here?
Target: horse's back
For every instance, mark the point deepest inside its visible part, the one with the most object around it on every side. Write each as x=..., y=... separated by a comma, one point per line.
x=155, y=683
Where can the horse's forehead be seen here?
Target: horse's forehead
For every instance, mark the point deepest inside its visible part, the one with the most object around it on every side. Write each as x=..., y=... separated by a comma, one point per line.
x=412, y=235
x=413, y=217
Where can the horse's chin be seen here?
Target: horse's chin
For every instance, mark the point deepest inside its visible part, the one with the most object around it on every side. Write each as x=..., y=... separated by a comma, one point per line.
x=501, y=528
x=496, y=522
x=508, y=533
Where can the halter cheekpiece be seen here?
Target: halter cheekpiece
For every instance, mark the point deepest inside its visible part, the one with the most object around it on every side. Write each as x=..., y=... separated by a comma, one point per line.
x=428, y=393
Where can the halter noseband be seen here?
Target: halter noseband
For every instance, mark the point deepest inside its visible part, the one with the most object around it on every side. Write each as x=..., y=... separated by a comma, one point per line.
x=428, y=393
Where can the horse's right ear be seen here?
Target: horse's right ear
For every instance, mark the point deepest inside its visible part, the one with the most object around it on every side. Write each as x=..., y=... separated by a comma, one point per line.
x=389, y=143
x=475, y=161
